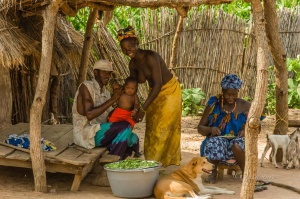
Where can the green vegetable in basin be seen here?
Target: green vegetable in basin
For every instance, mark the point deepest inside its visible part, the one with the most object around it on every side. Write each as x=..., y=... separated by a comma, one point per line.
x=132, y=164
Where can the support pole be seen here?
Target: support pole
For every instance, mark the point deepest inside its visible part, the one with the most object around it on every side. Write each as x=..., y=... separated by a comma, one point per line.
x=257, y=105
x=36, y=153
x=87, y=45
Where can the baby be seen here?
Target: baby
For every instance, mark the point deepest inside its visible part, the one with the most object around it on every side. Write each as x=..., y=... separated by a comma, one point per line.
x=128, y=103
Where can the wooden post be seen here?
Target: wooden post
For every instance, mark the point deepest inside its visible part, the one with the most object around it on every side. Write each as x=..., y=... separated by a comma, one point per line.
x=280, y=69
x=87, y=45
x=183, y=13
x=175, y=44
x=257, y=105
x=6, y=98
x=36, y=153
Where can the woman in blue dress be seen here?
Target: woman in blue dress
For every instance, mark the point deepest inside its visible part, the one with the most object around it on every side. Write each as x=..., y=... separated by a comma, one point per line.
x=223, y=124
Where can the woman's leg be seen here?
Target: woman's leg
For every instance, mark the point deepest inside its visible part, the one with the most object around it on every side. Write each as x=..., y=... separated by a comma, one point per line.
x=212, y=178
x=239, y=155
x=215, y=150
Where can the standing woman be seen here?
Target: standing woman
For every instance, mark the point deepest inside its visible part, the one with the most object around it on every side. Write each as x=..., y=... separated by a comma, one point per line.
x=163, y=105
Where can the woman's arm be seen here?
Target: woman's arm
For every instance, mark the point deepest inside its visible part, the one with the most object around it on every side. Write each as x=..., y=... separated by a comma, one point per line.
x=203, y=127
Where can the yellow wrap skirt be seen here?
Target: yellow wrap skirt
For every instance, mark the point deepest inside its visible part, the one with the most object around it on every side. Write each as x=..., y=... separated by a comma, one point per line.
x=163, y=126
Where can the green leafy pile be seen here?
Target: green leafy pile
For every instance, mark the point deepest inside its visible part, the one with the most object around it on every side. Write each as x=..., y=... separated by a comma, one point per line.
x=132, y=164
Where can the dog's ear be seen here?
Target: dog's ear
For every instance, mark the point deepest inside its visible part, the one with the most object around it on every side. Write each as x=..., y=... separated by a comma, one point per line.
x=194, y=161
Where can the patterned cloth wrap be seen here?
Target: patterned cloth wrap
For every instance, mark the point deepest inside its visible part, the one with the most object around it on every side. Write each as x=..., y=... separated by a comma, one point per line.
x=231, y=81
x=126, y=33
x=24, y=142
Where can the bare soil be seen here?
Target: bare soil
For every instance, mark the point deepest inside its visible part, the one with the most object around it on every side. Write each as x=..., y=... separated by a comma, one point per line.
x=19, y=183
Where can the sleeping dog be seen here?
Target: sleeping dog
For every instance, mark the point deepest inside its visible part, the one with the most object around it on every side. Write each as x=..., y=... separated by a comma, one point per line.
x=187, y=181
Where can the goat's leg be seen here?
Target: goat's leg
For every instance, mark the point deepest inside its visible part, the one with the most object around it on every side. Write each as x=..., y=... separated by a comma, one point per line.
x=267, y=147
x=274, y=148
x=284, y=158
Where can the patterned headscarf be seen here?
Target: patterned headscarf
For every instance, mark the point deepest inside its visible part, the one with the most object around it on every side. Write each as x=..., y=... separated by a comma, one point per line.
x=126, y=33
x=231, y=81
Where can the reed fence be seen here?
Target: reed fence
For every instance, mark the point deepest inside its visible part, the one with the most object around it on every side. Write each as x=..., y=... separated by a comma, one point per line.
x=213, y=44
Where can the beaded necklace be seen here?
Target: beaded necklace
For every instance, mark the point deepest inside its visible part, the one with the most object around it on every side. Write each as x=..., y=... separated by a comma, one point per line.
x=222, y=106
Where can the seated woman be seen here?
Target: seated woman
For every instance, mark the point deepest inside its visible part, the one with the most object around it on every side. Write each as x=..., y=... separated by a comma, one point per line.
x=223, y=124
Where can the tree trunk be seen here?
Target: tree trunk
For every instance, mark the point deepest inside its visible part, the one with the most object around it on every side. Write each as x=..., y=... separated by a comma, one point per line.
x=36, y=153
x=175, y=44
x=86, y=50
x=257, y=105
x=280, y=70
x=6, y=98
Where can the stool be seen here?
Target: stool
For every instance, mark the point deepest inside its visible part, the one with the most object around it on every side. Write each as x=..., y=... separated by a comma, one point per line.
x=236, y=168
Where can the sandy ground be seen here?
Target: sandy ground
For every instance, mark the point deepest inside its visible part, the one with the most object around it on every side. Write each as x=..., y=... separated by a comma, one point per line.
x=19, y=183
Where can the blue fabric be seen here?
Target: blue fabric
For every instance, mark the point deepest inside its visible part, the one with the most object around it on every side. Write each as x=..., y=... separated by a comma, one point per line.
x=217, y=148
x=231, y=81
x=24, y=142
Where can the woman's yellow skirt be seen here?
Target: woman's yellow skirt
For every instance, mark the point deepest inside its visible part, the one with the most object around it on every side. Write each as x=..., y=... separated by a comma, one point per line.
x=163, y=126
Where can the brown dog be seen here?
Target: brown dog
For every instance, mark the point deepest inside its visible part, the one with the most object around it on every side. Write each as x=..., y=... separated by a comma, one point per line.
x=187, y=181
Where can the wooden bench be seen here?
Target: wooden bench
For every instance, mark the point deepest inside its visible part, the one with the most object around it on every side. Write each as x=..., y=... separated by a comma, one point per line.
x=68, y=158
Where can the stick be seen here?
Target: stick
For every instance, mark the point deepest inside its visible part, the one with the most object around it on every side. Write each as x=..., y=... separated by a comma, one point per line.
x=286, y=187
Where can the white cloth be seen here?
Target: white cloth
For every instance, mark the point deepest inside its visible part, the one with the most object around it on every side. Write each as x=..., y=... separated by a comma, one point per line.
x=83, y=130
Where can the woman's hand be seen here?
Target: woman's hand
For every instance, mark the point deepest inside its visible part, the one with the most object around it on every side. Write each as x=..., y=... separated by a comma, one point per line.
x=241, y=133
x=139, y=116
x=117, y=92
x=215, y=131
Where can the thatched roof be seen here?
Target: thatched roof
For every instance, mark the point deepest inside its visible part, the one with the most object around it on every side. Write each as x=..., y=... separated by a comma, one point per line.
x=21, y=38
x=70, y=7
x=14, y=44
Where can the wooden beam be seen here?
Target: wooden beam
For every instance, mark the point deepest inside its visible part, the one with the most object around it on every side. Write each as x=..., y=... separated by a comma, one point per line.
x=160, y=3
x=67, y=10
x=87, y=45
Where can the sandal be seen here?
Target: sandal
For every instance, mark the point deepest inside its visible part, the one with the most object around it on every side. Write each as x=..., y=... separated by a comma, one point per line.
x=260, y=188
x=212, y=178
x=261, y=182
x=230, y=162
x=137, y=154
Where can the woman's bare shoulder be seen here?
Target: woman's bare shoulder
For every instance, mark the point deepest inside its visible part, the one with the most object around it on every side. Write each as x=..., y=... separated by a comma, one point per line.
x=244, y=104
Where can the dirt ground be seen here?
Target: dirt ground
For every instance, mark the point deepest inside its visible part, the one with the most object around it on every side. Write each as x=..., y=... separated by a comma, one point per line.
x=19, y=183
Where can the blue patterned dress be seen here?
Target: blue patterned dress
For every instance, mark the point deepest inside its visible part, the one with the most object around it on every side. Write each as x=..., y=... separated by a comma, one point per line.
x=218, y=148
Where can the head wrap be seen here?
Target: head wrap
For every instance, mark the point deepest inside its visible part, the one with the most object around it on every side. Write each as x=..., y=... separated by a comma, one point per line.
x=126, y=33
x=103, y=64
x=231, y=81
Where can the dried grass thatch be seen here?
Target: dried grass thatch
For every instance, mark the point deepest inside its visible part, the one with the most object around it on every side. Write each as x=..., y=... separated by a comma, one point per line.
x=14, y=44
x=70, y=7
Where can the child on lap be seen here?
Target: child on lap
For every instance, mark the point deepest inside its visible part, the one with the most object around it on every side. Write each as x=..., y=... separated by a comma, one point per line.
x=128, y=103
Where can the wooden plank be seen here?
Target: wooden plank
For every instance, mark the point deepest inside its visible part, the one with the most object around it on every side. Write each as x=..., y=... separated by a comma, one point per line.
x=4, y=151
x=19, y=155
x=14, y=129
x=96, y=153
x=50, y=167
x=18, y=129
x=55, y=132
x=294, y=123
x=62, y=144
x=70, y=156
